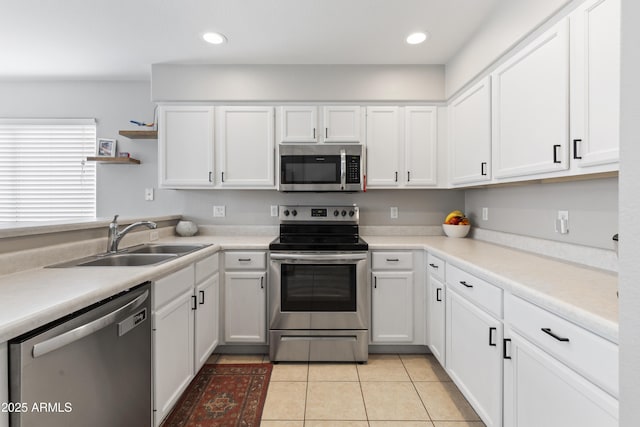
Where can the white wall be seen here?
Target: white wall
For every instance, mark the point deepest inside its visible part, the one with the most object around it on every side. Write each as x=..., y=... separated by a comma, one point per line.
x=509, y=23
x=120, y=187
x=629, y=217
x=531, y=209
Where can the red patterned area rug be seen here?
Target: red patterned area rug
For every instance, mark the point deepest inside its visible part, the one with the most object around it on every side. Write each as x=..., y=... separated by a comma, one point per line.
x=223, y=396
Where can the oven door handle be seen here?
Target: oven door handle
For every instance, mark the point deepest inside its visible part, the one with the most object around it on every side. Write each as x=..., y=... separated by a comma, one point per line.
x=358, y=256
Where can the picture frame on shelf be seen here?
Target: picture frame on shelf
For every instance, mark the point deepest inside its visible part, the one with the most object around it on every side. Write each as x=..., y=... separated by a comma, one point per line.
x=106, y=147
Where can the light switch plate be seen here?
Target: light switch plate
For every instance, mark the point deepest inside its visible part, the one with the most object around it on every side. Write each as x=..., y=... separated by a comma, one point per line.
x=485, y=214
x=562, y=222
x=394, y=212
x=148, y=194
x=219, y=211
x=274, y=210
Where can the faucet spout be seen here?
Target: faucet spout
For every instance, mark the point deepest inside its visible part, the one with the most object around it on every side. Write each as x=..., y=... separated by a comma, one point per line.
x=116, y=235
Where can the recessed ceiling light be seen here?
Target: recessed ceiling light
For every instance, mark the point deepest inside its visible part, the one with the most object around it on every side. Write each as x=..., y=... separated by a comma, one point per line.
x=214, y=38
x=417, y=38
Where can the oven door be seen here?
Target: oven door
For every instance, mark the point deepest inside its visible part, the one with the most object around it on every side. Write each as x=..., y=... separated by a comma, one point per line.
x=310, y=290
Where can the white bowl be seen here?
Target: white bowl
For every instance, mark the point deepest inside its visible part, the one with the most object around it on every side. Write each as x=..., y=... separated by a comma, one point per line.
x=456, y=230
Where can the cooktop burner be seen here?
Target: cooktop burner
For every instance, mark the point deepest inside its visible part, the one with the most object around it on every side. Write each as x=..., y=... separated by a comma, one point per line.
x=319, y=228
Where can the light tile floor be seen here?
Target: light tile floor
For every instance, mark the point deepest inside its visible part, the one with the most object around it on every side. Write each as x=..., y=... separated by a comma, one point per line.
x=390, y=390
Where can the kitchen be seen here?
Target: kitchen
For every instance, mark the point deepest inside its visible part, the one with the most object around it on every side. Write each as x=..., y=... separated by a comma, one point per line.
x=120, y=190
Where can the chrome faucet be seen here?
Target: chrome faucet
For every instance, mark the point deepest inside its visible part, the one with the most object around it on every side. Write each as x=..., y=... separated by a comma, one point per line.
x=115, y=235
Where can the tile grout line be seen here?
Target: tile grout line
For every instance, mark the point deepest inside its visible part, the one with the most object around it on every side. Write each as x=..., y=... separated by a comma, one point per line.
x=364, y=404
x=416, y=390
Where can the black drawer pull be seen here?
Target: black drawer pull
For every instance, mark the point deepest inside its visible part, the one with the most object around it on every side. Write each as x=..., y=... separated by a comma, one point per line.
x=244, y=259
x=504, y=348
x=433, y=265
x=392, y=260
x=549, y=332
x=575, y=149
x=201, y=297
x=483, y=168
x=462, y=282
x=438, y=296
x=491, y=342
x=555, y=153
x=194, y=300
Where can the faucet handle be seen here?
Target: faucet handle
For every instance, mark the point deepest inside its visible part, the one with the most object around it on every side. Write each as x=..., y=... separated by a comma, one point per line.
x=115, y=219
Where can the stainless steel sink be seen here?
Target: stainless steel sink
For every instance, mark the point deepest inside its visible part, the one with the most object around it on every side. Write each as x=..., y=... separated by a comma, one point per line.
x=126, y=260
x=136, y=256
x=165, y=249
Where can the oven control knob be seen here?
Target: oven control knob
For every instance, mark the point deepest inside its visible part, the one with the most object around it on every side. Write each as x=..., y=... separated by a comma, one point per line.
x=294, y=212
x=351, y=213
x=286, y=212
x=336, y=212
x=344, y=213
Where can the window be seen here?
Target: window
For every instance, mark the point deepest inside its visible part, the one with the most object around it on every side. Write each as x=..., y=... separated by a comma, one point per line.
x=44, y=175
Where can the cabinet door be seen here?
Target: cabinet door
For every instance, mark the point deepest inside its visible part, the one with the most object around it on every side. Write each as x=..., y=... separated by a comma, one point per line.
x=541, y=391
x=474, y=357
x=595, y=83
x=420, y=142
x=392, y=307
x=245, y=138
x=341, y=124
x=383, y=147
x=470, y=135
x=173, y=353
x=245, y=307
x=206, y=321
x=299, y=124
x=531, y=107
x=436, y=318
x=185, y=146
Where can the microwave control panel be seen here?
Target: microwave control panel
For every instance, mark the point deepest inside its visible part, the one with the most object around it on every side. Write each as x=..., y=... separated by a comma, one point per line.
x=353, y=169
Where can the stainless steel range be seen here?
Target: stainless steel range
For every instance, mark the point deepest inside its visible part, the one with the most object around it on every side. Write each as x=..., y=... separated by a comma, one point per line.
x=318, y=292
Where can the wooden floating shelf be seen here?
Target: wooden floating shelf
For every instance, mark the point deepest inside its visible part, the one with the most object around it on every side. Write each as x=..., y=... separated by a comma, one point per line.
x=115, y=160
x=139, y=134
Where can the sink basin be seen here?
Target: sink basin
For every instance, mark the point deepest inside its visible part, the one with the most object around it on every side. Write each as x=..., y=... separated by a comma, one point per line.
x=126, y=260
x=165, y=249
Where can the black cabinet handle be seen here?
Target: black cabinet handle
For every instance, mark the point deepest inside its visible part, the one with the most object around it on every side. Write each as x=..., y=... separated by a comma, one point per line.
x=462, y=282
x=392, y=260
x=483, y=168
x=262, y=282
x=210, y=176
x=548, y=331
x=438, y=296
x=201, y=297
x=375, y=283
x=504, y=348
x=244, y=259
x=555, y=153
x=222, y=176
x=491, y=342
x=575, y=149
x=396, y=176
x=314, y=133
x=194, y=300
x=326, y=133
x=408, y=176
x=433, y=266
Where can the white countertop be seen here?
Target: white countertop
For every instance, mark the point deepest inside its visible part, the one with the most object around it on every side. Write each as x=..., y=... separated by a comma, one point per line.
x=586, y=296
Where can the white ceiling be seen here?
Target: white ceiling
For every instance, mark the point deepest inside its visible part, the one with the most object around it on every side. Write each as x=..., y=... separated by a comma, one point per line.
x=120, y=39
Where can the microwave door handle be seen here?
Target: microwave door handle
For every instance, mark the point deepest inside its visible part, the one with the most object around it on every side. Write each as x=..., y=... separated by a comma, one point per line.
x=343, y=169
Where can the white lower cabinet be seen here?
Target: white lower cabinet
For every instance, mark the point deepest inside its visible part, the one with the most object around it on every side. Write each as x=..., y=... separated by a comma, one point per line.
x=474, y=355
x=541, y=391
x=397, y=298
x=245, y=298
x=185, y=330
x=436, y=307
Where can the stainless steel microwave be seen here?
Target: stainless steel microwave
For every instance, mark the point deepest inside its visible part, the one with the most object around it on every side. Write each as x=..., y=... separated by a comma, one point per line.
x=320, y=167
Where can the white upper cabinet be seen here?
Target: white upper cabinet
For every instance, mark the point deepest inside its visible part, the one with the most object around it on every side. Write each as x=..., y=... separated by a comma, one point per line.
x=245, y=137
x=595, y=83
x=185, y=146
x=470, y=135
x=530, y=114
x=300, y=124
x=420, y=138
x=401, y=147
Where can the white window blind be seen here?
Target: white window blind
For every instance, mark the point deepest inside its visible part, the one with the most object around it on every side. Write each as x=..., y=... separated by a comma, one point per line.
x=43, y=172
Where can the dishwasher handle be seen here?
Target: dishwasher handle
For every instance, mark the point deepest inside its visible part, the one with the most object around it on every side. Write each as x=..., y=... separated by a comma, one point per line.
x=87, y=329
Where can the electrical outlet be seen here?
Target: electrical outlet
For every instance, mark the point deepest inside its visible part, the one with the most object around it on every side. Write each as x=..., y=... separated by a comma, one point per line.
x=562, y=222
x=485, y=214
x=274, y=210
x=219, y=211
x=148, y=194
x=394, y=212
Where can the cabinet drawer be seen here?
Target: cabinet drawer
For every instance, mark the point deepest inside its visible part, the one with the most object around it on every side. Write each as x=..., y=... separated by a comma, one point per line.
x=169, y=287
x=245, y=260
x=592, y=356
x=206, y=267
x=435, y=266
x=392, y=261
x=477, y=290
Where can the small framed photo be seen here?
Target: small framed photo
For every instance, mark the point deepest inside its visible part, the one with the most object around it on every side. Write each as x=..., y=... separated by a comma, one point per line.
x=106, y=147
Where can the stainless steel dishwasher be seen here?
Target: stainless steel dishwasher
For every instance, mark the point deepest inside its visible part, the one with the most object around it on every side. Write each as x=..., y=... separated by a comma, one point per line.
x=91, y=368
